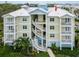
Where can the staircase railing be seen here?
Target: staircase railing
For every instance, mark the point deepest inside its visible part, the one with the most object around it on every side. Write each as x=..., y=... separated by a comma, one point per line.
x=37, y=34
x=37, y=47
x=37, y=26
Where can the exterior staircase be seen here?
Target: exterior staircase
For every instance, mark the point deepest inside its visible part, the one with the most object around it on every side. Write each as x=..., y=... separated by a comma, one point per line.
x=38, y=36
x=38, y=26
x=34, y=44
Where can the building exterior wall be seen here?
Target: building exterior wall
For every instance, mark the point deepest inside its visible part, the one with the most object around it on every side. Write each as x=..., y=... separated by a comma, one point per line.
x=57, y=35
x=19, y=26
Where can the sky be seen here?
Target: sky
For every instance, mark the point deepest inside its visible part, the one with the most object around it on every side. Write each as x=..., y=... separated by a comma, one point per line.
x=24, y=1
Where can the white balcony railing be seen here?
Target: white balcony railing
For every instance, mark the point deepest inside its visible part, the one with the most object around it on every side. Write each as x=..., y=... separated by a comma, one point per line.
x=10, y=31
x=9, y=39
x=63, y=23
x=9, y=23
x=38, y=34
x=66, y=40
x=65, y=32
x=35, y=44
x=38, y=26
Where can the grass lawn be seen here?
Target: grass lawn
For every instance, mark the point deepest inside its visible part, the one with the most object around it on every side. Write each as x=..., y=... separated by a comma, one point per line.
x=66, y=52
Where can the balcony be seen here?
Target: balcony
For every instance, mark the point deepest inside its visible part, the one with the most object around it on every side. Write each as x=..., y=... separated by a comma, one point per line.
x=65, y=32
x=10, y=31
x=9, y=39
x=64, y=23
x=9, y=23
x=66, y=41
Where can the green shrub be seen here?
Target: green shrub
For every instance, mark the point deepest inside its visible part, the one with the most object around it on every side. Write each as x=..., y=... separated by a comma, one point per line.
x=54, y=47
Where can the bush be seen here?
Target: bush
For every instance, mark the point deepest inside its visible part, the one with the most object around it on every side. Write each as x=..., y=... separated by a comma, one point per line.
x=54, y=47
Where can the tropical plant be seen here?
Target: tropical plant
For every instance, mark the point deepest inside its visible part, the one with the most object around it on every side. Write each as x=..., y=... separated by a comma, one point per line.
x=77, y=40
x=22, y=44
x=54, y=46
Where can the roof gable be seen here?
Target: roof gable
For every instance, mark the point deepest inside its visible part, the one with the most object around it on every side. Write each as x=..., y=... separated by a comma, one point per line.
x=38, y=11
x=68, y=15
x=7, y=15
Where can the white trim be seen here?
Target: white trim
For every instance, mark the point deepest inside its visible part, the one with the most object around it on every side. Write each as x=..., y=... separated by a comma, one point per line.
x=60, y=36
x=14, y=29
x=46, y=31
x=4, y=30
x=40, y=9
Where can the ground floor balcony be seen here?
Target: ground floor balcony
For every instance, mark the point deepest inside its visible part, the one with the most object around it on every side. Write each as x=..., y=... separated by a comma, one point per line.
x=66, y=40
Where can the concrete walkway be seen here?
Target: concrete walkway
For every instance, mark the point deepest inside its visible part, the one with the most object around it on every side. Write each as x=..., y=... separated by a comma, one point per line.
x=50, y=52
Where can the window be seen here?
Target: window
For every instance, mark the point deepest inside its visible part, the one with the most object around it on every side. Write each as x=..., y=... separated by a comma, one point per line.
x=51, y=27
x=10, y=28
x=52, y=35
x=67, y=37
x=24, y=27
x=24, y=34
x=51, y=19
x=67, y=20
x=24, y=19
x=39, y=42
x=67, y=29
x=9, y=19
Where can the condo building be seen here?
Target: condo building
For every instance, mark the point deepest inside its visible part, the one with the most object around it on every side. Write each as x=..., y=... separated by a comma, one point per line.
x=43, y=25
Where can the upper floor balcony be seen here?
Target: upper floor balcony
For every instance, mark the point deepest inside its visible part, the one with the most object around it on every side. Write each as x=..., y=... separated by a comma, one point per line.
x=9, y=23
x=9, y=31
x=66, y=32
x=65, y=23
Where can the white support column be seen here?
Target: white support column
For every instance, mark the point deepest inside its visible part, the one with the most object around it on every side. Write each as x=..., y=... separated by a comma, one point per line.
x=42, y=43
x=73, y=33
x=42, y=39
x=30, y=28
x=4, y=31
x=46, y=29
x=14, y=28
x=60, y=36
x=71, y=46
x=35, y=33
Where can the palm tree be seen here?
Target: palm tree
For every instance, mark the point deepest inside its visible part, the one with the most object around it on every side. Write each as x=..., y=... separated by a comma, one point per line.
x=23, y=43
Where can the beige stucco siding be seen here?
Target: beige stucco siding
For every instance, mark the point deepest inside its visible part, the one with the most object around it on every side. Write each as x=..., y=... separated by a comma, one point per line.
x=19, y=26
x=56, y=30
x=40, y=17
